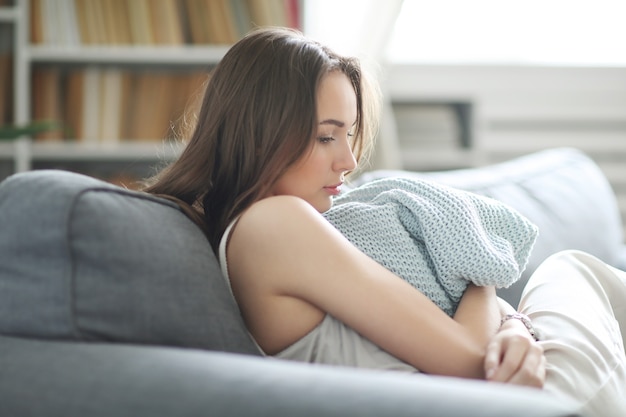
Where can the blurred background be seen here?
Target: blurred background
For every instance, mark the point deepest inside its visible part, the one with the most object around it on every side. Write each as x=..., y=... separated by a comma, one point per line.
x=469, y=83
x=107, y=87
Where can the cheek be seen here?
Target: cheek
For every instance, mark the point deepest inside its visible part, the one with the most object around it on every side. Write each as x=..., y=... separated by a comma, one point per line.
x=319, y=162
x=308, y=169
x=311, y=172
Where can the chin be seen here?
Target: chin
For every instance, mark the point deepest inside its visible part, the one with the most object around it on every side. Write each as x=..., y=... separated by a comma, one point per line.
x=321, y=206
x=324, y=207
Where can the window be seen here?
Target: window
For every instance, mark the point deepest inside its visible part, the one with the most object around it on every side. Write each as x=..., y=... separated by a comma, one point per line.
x=545, y=32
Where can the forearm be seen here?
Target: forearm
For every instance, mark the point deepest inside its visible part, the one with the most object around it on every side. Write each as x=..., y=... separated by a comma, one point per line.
x=479, y=311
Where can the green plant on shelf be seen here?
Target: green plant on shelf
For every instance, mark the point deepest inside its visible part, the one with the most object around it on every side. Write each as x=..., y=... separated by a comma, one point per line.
x=15, y=131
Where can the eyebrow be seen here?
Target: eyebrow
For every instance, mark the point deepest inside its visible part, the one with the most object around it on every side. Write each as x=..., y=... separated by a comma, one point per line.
x=332, y=122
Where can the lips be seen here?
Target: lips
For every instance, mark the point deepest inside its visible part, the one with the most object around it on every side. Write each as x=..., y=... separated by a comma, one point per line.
x=334, y=189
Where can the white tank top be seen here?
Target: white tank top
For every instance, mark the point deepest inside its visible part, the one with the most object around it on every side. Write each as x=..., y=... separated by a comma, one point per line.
x=330, y=342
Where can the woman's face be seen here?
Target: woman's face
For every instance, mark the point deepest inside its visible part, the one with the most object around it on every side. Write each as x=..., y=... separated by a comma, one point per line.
x=319, y=174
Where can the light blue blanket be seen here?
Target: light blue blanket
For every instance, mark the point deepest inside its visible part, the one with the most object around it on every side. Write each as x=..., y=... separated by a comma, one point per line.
x=435, y=237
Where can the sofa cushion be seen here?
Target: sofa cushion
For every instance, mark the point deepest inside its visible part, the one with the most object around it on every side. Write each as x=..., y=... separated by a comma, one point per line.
x=83, y=259
x=561, y=190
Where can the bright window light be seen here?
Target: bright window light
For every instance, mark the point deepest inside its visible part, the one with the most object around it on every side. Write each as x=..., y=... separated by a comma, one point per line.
x=526, y=32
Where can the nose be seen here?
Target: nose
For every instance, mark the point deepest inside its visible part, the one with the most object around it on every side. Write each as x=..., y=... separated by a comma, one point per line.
x=345, y=160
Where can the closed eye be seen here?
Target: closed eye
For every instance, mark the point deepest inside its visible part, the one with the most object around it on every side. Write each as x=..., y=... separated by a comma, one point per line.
x=325, y=139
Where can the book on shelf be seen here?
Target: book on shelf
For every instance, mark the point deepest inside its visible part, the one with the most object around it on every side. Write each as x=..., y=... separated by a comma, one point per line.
x=6, y=75
x=141, y=30
x=58, y=22
x=36, y=22
x=6, y=89
x=195, y=12
x=74, y=93
x=46, y=91
x=90, y=105
x=221, y=24
x=82, y=104
x=150, y=104
x=116, y=23
x=155, y=22
x=167, y=23
x=112, y=107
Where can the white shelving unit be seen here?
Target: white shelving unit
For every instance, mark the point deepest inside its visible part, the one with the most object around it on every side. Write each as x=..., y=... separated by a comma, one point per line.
x=24, y=152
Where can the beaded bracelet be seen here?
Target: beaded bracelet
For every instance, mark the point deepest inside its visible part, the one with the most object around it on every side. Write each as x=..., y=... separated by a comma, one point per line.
x=525, y=320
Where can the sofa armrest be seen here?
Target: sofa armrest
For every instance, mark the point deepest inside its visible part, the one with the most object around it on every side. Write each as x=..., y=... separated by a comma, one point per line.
x=59, y=379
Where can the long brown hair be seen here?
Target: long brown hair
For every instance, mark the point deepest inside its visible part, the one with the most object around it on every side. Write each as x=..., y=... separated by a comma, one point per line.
x=257, y=118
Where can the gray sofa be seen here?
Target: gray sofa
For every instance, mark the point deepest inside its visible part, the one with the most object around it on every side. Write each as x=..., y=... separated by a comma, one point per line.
x=112, y=304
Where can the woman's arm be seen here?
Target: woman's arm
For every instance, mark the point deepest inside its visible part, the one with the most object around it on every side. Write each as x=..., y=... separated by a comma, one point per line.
x=287, y=263
x=479, y=312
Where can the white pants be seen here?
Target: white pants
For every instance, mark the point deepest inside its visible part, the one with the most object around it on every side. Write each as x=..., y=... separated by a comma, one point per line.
x=575, y=301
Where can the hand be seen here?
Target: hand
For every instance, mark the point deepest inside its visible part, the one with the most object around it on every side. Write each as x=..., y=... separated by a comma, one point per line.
x=513, y=357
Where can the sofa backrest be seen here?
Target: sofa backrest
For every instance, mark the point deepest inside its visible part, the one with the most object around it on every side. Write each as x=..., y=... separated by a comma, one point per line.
x=81, y=259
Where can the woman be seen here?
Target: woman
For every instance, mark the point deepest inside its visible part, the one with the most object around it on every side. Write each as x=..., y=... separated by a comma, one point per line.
x=283, y=120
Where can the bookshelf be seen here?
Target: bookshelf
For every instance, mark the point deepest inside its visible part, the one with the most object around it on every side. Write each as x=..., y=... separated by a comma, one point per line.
x=116, y=76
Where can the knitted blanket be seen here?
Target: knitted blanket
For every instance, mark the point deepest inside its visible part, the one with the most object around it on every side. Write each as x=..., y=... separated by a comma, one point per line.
x=435, y=237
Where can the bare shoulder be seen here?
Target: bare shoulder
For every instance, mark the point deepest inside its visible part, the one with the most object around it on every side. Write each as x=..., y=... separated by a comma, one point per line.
x=278, y=212
x=278, y=223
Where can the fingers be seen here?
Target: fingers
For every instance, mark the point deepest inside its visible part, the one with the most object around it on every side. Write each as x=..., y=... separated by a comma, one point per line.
x=532, y=371
x=492, y=358
x=512, y=359
x=515, y=359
